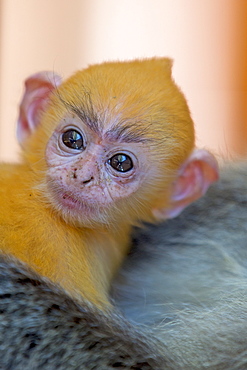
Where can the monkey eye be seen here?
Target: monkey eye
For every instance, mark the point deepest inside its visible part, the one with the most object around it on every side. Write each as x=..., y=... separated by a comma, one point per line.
x=121, y=162
x=73, y=139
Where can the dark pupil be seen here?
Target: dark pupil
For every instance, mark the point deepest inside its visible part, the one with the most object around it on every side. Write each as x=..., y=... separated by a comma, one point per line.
x=121, y=162
x=73, y=139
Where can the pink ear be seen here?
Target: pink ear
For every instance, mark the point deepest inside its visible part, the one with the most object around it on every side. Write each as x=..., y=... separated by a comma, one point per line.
x=37, y=91
x=195, y=176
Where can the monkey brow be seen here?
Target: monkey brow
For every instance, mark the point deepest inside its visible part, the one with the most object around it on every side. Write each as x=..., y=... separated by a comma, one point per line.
x=129, y=133
x=84, y=111
x=133, y=132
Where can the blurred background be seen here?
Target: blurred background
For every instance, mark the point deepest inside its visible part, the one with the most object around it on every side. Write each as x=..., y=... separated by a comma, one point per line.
x=206, y=38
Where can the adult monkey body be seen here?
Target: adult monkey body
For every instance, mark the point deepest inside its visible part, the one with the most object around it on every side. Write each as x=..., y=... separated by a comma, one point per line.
x=196, y=266
x=197, y=294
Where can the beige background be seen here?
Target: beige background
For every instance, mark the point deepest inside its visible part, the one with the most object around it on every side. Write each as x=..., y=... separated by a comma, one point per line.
x=206, y=39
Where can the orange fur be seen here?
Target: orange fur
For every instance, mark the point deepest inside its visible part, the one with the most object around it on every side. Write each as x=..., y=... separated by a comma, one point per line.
x=71, y=256
x=83, y=259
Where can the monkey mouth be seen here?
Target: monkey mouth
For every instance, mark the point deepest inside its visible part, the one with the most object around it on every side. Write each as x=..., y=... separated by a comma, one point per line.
x=69, y=198
x=72, y=202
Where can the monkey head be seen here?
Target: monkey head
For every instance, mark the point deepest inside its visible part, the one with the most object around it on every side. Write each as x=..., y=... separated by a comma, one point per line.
x=113, y=144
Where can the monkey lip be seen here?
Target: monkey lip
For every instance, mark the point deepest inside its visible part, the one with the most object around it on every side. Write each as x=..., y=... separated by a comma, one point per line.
x=70, y=198
x=72, y=202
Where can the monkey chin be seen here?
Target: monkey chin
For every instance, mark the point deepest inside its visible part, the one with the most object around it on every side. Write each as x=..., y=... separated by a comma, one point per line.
x=81, y=213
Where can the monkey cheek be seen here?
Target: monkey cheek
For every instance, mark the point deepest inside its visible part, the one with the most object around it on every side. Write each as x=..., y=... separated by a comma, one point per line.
x=119, y=190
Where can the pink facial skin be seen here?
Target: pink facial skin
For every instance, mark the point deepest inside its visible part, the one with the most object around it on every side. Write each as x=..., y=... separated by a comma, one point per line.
x=82, y=182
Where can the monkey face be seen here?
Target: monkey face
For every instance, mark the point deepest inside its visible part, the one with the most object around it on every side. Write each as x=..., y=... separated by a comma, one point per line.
x=90, y=173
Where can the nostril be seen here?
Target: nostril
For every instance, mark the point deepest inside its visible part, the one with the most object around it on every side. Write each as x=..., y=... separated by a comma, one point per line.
x=87, y=181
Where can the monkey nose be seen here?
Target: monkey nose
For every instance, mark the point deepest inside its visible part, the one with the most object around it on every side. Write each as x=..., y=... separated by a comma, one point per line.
x=84, y=182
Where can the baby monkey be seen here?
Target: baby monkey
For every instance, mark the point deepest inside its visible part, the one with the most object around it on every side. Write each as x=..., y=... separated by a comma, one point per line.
x=105, y=150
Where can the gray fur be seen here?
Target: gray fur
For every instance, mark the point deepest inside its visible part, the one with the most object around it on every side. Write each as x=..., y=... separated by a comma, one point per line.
x=41, y=327
x=187, y=278
x=182, y=290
